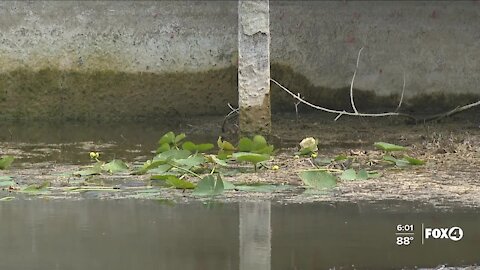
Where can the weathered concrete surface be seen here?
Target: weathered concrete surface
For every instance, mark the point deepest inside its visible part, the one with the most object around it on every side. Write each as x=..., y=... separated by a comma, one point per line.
x=437, y=44
x=104, y=59
x=254, y=67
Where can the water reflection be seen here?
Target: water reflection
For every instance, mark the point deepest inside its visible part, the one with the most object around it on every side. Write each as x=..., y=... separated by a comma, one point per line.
x=134, y=234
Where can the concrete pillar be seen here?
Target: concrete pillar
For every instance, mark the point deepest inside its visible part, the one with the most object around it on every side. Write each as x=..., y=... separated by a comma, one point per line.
x=254, y=66
x=255, y=235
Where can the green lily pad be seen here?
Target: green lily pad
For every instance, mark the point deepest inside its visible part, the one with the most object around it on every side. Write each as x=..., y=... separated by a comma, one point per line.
x=174, y=181
x=227, y=185
x=318, y=179
x=190, y=146
x=172, y=154
x=7, y=183
x=413, y=161
x=389, y=147
x=362, y=175
x=190, y=162
x=209, y=186
x=93, y=170
x=349, y=174
x=115, y=166
x=250, y=157
x=167, y=138
x=6, y=162
x=36, y=188
x=224, y=145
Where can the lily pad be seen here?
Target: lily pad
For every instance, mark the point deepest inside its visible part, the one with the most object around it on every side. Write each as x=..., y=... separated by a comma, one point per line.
x=413, y=161
x=190, y=146
x=209, y=186
x=174, y=181
x=389, y=147
x=318, y=179
x=93, y=170
x=251, y=157
x=349, y=174
x=6, y=162
x=115, y=166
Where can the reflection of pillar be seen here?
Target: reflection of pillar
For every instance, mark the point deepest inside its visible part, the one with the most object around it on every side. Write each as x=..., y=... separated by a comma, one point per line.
x=255, y=236
x=254, y=66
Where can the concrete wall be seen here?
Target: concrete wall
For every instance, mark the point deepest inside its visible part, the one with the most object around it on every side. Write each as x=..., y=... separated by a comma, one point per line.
x=141, y=59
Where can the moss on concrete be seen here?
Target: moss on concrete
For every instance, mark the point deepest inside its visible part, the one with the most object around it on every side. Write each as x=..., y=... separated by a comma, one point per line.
x=107, y=95
x=54, y=94
x=256, y=119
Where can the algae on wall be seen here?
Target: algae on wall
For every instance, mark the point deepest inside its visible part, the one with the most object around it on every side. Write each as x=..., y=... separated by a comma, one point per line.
x=53, y=94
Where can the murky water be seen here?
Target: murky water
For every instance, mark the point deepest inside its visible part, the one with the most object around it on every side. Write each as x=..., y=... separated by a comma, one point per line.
x=137, y=234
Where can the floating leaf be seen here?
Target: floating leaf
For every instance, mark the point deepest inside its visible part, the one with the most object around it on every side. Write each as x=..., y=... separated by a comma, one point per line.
x=340, y=157
x=161, y=169
x=149, y=165
x=362, y=175
x=413, y=161
x=190, y=162
x=389, y=147
x=174, y=181
x=7, y=183
x=36, y=188
x=163, y=147
x=115, y=166
x=265, y=150
x=190, y=146
x=250, y=157
x=224, y=145
x=322, y=161
x=390, y=159
x=259, y=142
x=216, y=160
x=179, y=137
x=5, y=178
x=349, y=174
x=209, y=186
x=167, y=138
x=95, y=169
x=245, y=144
x=172, y=154
x=318, y=179
x=374, y=174
x=263, y=188
x=228, y=185
x=6, y=162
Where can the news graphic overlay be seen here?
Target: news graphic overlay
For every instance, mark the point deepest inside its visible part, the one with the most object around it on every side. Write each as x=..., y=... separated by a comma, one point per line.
x=405, y=234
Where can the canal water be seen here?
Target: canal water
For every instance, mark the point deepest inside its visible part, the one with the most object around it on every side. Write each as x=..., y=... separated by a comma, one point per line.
x=146, y=234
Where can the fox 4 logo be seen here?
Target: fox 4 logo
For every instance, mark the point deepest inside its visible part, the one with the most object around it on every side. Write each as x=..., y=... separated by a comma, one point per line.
x=453, y=233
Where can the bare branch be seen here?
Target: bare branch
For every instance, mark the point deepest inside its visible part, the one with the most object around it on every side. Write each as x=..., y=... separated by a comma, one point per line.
x=353, y=79
x=336, y=111
x=403, y=91
x=451, y=112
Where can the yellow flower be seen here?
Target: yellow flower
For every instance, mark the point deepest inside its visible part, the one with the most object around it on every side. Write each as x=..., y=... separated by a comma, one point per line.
x=275, y=167
x=309, y=143
x=94, y=155
x=314, y=155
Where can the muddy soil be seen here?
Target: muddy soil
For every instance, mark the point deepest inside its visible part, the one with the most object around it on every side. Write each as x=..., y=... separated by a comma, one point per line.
x=449, y=177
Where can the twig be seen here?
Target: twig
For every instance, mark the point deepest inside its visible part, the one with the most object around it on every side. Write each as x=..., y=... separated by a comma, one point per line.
x=403, y=91
x=296, y=106
x=340, y=112
x=353, y=79
x=451, y=112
